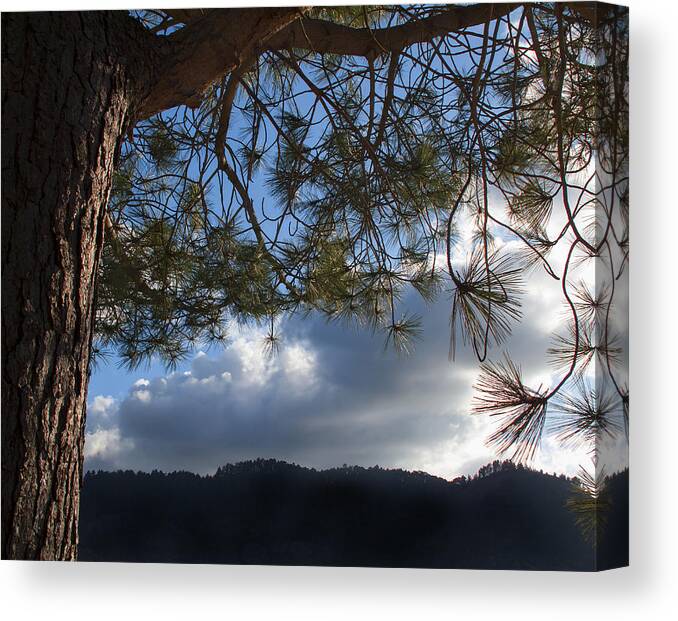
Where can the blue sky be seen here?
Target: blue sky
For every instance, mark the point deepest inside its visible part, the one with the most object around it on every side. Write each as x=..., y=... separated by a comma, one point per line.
x=332, y=396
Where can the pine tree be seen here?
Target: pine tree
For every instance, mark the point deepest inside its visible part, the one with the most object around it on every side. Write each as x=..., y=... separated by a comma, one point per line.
x=167, y=172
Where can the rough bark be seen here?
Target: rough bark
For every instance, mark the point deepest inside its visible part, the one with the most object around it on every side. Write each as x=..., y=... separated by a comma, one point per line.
x=66, y=103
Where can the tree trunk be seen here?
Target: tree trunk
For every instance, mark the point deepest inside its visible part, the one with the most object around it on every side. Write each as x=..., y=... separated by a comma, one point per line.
x=67, y=98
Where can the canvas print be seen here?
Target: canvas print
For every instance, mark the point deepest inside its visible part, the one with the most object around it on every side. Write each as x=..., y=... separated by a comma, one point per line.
x=334, y=285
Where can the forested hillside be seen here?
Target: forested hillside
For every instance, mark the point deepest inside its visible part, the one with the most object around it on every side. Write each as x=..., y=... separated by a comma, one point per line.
x=272, y=512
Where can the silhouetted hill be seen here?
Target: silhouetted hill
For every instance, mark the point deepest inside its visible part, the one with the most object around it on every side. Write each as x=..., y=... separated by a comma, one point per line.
x=271, y=512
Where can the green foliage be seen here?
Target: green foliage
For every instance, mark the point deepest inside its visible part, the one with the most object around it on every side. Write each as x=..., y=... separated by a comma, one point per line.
x=588, y=341
x=520, y=409
x=590, y=504
x=402, y=333
x=585, y=415
x=486, y=299
x=531, y=207
x=162, y=149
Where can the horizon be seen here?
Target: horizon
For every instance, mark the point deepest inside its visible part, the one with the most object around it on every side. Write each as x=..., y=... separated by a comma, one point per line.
x=518, y=466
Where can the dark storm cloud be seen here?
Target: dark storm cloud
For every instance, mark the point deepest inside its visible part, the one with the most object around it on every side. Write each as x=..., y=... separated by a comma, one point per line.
x=332, y=396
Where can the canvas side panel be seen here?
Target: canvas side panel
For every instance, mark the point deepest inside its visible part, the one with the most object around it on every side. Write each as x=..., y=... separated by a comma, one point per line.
x=612, y=288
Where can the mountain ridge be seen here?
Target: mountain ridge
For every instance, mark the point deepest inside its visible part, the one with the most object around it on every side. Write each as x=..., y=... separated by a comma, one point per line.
x=267, y=511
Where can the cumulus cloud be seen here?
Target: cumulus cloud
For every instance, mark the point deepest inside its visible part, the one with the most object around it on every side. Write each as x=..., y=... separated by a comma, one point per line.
x=331, y=395
x=103, y=440
x=106, y=444
x=101, y=409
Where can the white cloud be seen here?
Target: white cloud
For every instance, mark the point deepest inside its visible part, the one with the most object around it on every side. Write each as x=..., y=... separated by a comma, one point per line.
x=332, y=396
x=102, y=412
x=102, y=407
x=142, y=395
x=106, y=444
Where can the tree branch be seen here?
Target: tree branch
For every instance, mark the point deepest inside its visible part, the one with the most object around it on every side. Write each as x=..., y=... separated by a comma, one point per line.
x=322, y=36
x=209, y=47
x=214, y=42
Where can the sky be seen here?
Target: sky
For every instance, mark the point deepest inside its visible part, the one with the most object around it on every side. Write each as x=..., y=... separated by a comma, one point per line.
x=331, y=396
